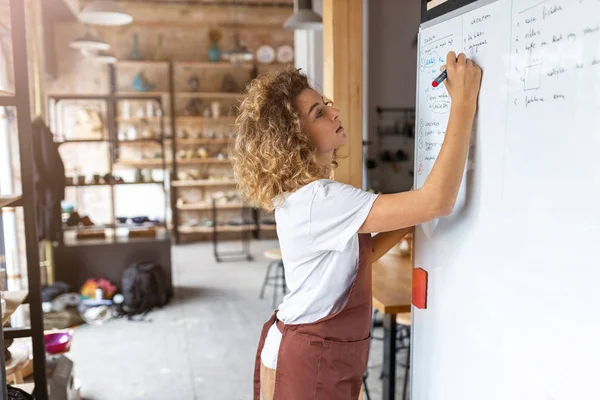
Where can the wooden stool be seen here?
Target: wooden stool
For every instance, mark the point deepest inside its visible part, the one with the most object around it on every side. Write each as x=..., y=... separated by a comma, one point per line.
x=275, y=275
x=19, y=356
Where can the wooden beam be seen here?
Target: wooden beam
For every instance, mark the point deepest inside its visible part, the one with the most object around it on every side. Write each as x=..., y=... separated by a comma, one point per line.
x=342, y=79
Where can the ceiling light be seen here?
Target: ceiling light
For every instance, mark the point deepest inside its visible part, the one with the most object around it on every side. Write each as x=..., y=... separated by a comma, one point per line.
x=239, y=53
x=104, y=12
x=102, y=57
x=105, y=57
x=304, y=17
x=89, y=41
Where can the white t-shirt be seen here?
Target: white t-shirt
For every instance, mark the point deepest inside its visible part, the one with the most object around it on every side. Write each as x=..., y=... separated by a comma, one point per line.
x=317, y=228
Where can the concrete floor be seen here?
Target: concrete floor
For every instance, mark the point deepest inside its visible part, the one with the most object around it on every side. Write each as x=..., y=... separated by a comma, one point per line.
x=200, y=347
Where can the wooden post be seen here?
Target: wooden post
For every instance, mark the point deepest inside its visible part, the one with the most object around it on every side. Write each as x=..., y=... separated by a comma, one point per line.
x=342, y=80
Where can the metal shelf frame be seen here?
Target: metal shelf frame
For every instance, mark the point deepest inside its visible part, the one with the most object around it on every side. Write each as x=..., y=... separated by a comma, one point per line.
x=20, y=101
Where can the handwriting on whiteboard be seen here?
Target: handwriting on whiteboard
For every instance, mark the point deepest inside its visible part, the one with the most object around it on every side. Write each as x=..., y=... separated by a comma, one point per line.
x=537, y=38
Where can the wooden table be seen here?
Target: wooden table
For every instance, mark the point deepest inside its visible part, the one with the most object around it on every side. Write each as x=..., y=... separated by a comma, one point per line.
x=392, y=294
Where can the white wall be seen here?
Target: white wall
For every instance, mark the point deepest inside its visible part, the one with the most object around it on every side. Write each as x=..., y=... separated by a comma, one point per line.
x=392, y=26
x=389, y=75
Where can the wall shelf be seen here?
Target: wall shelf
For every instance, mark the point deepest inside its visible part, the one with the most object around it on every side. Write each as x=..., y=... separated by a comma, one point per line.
x=175, y=97
x=220, y=229
x=180, y=118
x=201, y=141
x=205, y=182
x=158, y=163
x=205, y=207
x=142, y=63
x=213, y=65
x=115, y=184
x=209, y=95
x=126, y=93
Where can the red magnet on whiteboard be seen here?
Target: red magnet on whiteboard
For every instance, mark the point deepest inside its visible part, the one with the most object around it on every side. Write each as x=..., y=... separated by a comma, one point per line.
x=419, y=288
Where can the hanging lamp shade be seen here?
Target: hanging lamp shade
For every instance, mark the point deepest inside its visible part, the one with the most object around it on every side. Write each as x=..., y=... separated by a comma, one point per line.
x=101, y=57
x=89, y=41
x=239, y=53
x=104, y=12
x=105, y=57
x=304, y=17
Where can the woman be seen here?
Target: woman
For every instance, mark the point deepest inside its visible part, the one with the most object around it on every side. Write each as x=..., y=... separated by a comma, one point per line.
x=316, y=345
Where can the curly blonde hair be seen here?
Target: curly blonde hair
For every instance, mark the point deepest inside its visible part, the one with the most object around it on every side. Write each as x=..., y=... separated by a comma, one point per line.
x=272, y=154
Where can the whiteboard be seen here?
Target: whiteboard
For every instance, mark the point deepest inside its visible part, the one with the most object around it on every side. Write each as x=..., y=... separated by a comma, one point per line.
x=514, y=274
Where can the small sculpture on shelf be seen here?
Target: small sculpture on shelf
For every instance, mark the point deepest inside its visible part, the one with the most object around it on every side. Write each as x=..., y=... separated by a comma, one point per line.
x=160, y=51
x=214, y=53
x=229, y=84
x=202, y=152
x=215, y=108
x=136, y=54
x=192, y=108
x=194, y=83
x=141, y=84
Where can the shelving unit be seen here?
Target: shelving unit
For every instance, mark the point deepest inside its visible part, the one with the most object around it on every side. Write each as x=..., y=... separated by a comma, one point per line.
x=20, y=101
x=113, y=143
x=105, y=249
x=205, y=182
x=177, y=93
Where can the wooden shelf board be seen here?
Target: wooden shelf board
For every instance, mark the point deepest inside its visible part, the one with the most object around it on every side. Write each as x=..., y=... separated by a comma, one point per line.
x=211, y=65
x=203, y=161
x=75, y=96
x=115, y=184
x=268, y=227
x=142, y=163
x=138, y=141
x=65, y=141
x=204, y=182
x=201, y=141
x=220, y=229
x=142, y=63
x=104, y=227
x=9, y=200
x=125, y=93
x=13, y=300
x=161, y=235
x=180, y=118
x=185, y=118
x=202, y=207
x=6, y=93
x=210, y=95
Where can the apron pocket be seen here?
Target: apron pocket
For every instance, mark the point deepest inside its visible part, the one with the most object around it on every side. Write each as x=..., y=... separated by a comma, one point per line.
x=341, y=369
x=297, y=367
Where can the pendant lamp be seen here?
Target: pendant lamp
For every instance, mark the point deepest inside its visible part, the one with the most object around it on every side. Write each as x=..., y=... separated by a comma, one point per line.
x=304, y=17
x=239, y=53
x=101, y=57
x=89, y=41
x=104, y=12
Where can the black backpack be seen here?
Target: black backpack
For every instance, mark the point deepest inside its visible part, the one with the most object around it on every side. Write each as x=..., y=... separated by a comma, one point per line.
x=144, y=287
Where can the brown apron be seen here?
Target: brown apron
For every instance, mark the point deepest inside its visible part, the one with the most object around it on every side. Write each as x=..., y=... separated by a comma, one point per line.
x=326, y=359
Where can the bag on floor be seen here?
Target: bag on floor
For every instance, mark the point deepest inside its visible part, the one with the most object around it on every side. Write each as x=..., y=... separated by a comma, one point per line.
x=144, y=287
x=17, y=394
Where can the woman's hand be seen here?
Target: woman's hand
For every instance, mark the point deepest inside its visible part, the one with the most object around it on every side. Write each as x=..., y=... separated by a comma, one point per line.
x=464, y=79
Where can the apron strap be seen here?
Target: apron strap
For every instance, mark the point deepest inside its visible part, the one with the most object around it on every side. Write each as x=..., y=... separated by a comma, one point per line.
x=257, y=362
